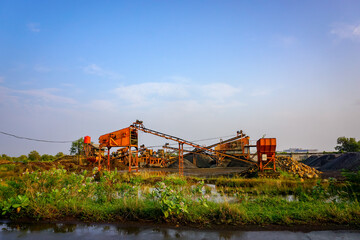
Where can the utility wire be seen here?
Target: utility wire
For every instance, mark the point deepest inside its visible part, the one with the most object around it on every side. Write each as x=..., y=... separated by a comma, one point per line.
x=50, y=141
x=33, y=139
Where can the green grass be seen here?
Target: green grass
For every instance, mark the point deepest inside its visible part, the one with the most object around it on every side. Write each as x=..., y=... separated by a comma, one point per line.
x=109, y=196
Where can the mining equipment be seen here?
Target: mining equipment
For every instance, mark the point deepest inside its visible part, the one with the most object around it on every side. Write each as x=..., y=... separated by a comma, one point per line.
x=237, y=148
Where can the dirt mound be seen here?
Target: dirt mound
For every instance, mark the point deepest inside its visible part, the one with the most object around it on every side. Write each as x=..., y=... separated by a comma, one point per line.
x=320, y=161
x=202, y=160
x=187, y=164
x=289, y=165
x=348, y=161
x=4, y=161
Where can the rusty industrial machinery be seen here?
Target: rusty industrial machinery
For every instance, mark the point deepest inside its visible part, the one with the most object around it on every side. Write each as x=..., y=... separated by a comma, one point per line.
x=266, y=148
x=91, y=150
x=151, y=158
x=126, y=139
x=237, y=148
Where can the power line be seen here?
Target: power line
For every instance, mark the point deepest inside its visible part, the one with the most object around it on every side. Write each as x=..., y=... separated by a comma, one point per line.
x=33, y=139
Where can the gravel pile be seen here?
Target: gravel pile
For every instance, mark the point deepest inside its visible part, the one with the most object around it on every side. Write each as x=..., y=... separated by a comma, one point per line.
x=202, y=160
x=289, y=165
x=187, y=164
x=318, y=161
x=348, y=161
x=335, y=162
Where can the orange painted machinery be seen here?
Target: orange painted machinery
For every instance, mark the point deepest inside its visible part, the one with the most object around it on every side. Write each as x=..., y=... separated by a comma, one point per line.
x=266, y=149
x=151, y=158
x=126, y=139
x=239, y=148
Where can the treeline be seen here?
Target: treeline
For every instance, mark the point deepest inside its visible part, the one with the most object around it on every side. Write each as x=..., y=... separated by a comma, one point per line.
x=33, y=156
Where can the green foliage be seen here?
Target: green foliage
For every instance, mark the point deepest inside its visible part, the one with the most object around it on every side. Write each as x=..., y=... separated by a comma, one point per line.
x=353, y=184
x=77, y=147
x=172, y=202
x=17, y=203
x=57, y=193
x=59, y=155
x=174, y=180
x=34, y=156
x=47, y=158
x=22, y=158
x=348, y=145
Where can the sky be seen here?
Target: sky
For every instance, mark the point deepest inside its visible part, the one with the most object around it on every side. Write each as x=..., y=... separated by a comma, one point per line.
x=192, y=69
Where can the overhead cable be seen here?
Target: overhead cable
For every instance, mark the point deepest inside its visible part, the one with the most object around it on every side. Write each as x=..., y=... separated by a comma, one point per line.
x=33, y=139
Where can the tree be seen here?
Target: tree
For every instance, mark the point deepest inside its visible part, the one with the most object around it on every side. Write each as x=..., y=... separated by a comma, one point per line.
x=34, y=156
x=347, y=145
x=22, y=158
x=59, y=155
x=47, y=158
x=77, y=147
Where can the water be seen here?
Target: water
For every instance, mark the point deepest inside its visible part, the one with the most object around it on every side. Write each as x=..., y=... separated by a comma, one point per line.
x=59, y=231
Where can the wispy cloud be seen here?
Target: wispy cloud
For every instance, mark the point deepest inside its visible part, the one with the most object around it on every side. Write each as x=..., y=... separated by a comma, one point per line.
x=103, y=105
x=33, y=27
x=6, y=97
x=152, y=93
x=46, y=95
x=94, y=69
x=346, y=31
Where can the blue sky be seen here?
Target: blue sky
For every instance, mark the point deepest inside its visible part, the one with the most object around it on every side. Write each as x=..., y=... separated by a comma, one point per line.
x=194, y=69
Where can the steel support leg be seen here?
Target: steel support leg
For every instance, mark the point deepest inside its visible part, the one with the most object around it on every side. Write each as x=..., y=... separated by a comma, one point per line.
x=108, y=163
x=130, y=156
x=181, y=159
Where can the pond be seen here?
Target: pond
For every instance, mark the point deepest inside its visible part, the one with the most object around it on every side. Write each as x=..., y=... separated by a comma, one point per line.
x=59, y=231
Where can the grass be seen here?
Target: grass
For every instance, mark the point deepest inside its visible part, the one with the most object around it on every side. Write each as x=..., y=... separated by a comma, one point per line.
x=89, y=196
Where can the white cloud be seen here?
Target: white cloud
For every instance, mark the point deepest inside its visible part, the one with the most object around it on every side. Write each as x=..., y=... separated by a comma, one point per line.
x=346, y=31
x=219, y=91
x=33, y=27
x=46, y=95
x=152, y=93
x=102, y=105
x=94, y=69
x=6, y=97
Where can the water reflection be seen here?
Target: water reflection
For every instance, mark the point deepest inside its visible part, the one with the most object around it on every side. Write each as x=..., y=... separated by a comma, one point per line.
x=59, y=231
